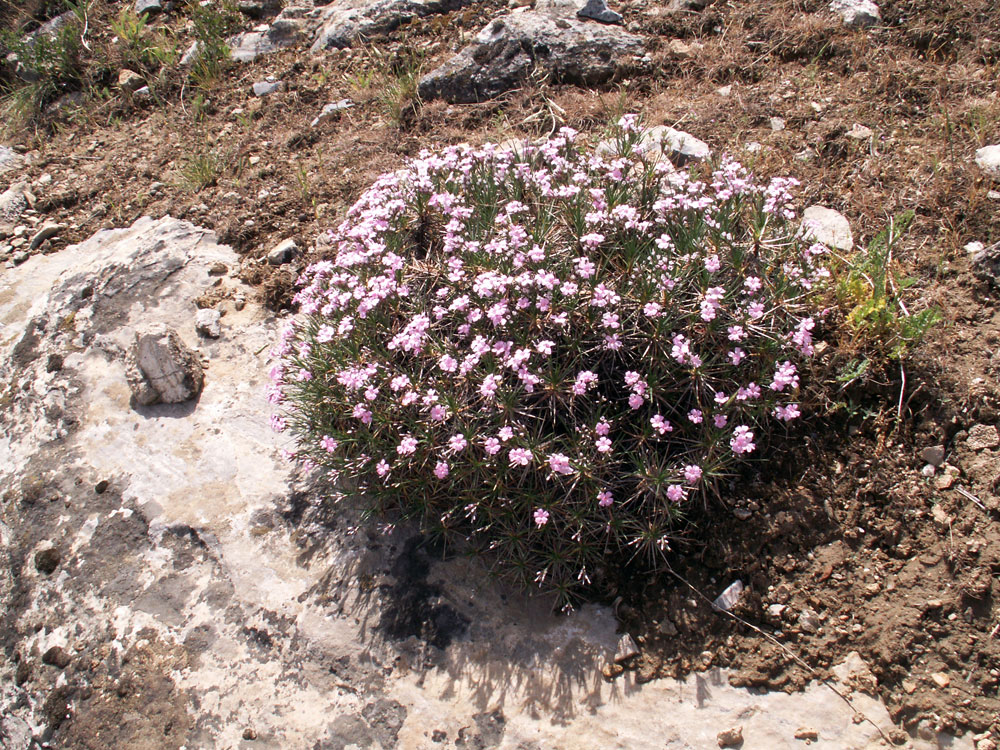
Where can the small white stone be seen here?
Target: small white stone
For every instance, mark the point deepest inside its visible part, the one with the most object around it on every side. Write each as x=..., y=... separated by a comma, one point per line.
x=988, y=160
x=828, y=227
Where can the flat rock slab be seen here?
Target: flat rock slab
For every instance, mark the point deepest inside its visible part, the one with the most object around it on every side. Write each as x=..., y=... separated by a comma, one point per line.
x=508, y=50
x=344, y=23
x=204, y=596
x=9, y=159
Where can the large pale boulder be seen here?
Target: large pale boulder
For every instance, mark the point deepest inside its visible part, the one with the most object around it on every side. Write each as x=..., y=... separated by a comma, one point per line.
x=347, y=21
x=988, y=160
x=828, y=227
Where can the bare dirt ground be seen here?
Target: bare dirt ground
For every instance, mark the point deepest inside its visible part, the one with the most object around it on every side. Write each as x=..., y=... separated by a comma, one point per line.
x=846, y=546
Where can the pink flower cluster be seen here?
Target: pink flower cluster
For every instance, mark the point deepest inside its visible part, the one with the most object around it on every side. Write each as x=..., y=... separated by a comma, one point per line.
x=553, y=336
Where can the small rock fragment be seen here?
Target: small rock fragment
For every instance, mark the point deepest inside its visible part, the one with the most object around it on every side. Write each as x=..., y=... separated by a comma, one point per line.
x=909, y=687
x=206, y=323
x=928, y=470
x=626, y=649
x=239, y=301
x=47, y=560
x=809, y=621
x=330, y=111
x=933, y=454
x=599, y=11
x=859, y=132
x=986, y=744
x=160, y=368
x=777, y=124
x=828, y=227
x=283, y=252
x=857, y=14
x=729, y=597
x=806, y=733
x=130, y=81
x=152, y=7
x=266, y=88
x=988, y=160
x=941, y=518
x=249, y=734
x=47, y=232
x=732, y=737
x=982, y=437
x=218, y=269
x=775, y=611
x=57, y=657
x=610, y=671
x=941, y=679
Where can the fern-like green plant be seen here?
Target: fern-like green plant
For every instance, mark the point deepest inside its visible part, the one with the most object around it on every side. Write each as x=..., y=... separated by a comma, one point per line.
x=872, y=292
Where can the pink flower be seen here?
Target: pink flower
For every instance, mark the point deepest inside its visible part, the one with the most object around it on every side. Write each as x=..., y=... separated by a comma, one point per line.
x=585, y=380
x=382, y=468
x=675, y=493
x=695, y=416
x=559, y=463
x=712, y=263
x=720, y=420
x=604, y=498
x=541, y=517
x=692, y=474
x=787, y=413
x=439, y=413
x=519, y=456
x=737, y=355
x=448, y=363
x=660, y=424
x=489, y=387
x=784, y=377
x=742, y=440
x=635, y=401
x=457, y=442
x=603, y=427
x=603, y=445
x=651, y=310
x=328, y=444
x=360, y=412
x=441, y=470
x=506, y=433
x=407, y=445
x=491, y=446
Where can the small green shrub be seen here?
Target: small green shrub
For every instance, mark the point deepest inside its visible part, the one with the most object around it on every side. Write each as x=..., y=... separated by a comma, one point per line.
x=871, y=291
x=550, y=352
x=212, y=24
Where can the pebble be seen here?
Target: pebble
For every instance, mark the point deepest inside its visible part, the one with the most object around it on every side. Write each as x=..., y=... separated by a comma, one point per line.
x=859, y=132
x=330, y=110
x=206, y=323
x=909, y=687
x=933, y=454
x=730, y=737
x=986, y=744
x=777, y=124
x=806, y=733
x=599, y=11
x=47, y=232
x=626, y=649
x=266, y=88
x=941, y=679
x=239, y=301
x=130, y=81
x=19, y=258
x=982, y=436
x=928, y=470
x=988, y=160
x=283, y=252
x=47, y=560
x=57, y=657
x=809, y=621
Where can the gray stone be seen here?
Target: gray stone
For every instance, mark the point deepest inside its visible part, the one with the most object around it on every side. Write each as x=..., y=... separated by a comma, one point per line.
x=626, y=649
x=982, y=437
x=19, y=257
x=150, y=7
x=283, y=252
x=15, y=733
x=829, y=227
x=599, y=11
x=331, y=110
x=511, y=48
x=9, y=159
x=933, y=454
x=687, y=6
x=13, y=202
x=266, y=88
x=206, y=323
x=985, y=261
x=130, y=81
x=345, y=22
x=988, y=160
x=856, y=13
x=160, y=368
x=662, y=141
x=777, y=124
x=282, y=32
x=47, y=232
x=190, y=55
x=809, y=621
